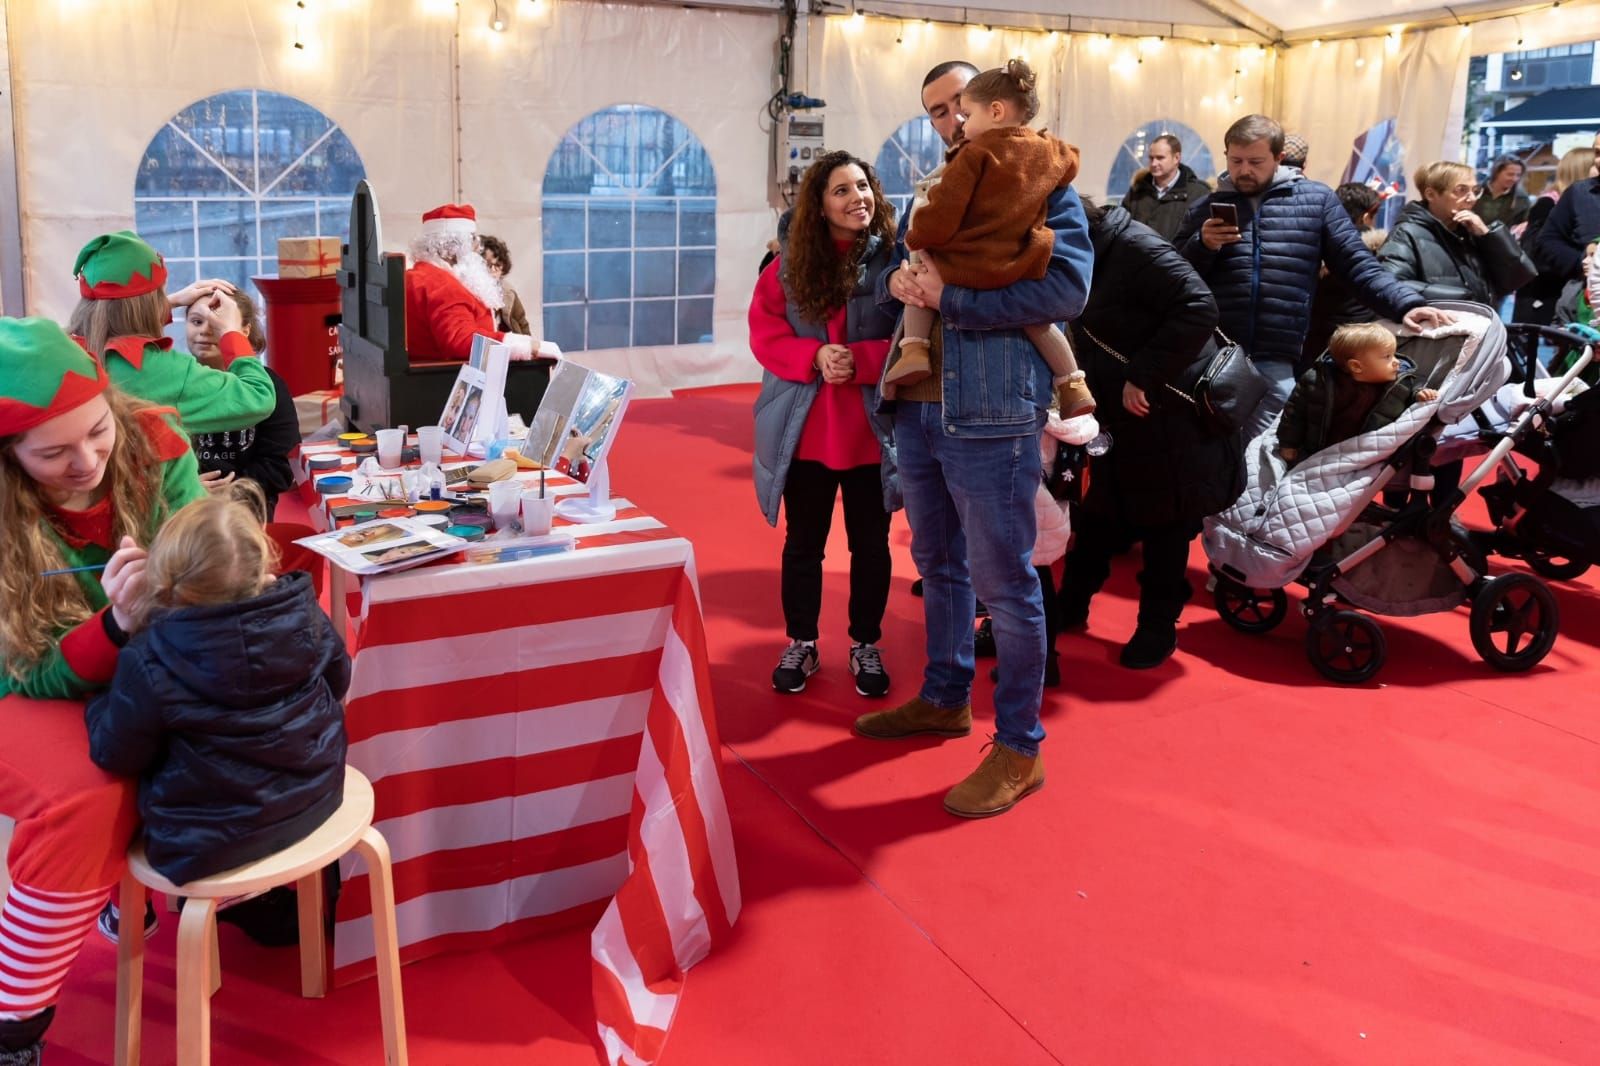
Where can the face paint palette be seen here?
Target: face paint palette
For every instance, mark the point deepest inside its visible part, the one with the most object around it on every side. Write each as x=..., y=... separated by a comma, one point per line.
x=334, y=485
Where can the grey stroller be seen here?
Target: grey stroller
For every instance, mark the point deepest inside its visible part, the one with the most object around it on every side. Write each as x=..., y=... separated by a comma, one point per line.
x=1320, y=524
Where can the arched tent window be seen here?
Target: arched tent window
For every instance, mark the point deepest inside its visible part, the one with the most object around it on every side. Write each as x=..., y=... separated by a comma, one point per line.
x=910, y=153
x=228, y=175
x=1131, y=159
x=630, y=233
x=1378, y=158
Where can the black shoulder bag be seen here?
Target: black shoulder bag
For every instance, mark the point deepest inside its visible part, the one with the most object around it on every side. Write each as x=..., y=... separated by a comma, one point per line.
x=1223, y=390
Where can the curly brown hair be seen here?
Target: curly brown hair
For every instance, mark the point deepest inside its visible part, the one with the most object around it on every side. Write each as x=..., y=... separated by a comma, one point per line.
x=817, y=278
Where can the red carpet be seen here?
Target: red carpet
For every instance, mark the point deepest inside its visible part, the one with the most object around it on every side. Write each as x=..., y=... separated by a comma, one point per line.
x=1233, y=862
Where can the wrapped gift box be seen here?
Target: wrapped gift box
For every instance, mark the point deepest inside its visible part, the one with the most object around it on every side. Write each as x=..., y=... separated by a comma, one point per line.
x=307, y=257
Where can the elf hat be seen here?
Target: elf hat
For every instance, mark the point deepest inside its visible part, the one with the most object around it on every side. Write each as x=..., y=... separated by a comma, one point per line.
x=43, y=373
x=451, y=218
x=114, y=266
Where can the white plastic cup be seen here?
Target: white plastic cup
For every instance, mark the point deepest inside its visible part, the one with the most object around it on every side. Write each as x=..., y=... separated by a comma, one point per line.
x=504, y=501
x=537, y=512
x=430, y=443
x=390, y=444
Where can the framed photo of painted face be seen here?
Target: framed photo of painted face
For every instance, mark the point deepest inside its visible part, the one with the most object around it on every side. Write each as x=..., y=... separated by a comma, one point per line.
x=581, y=407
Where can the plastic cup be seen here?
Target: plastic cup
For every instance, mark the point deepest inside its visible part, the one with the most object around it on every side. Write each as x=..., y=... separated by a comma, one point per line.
x=504, y=503
x=537, y=512
x=391, y=442
x=430, y=441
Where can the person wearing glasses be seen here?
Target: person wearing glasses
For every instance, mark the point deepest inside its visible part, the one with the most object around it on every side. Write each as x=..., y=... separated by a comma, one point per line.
x=1443, y=249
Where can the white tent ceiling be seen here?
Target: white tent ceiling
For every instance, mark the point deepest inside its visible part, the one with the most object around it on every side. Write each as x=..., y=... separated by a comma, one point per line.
x=1270, y=20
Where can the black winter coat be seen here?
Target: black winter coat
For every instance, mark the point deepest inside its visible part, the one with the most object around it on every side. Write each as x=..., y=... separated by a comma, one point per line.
x=1148, y=304
x=260, y=453
x=1444, y=264
x=1536, y=301
x=1164, y=214
x=1573, y=223
x=1264, y=282
x=1308, y=414
x=230, y=716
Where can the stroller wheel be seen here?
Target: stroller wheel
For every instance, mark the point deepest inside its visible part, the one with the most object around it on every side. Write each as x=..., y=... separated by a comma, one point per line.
x=1250, y=610
x=1554, y=567
x=1346, y=647
x=1514, y=622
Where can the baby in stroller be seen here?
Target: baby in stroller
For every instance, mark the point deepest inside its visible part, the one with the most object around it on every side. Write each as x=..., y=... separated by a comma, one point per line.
x=1319, y=524
x=1357, y=388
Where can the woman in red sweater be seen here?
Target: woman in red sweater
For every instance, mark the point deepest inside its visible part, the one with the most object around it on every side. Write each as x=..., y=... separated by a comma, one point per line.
x=817, y=329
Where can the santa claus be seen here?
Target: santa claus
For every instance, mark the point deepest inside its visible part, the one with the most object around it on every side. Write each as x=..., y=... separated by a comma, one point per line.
x=451, y=294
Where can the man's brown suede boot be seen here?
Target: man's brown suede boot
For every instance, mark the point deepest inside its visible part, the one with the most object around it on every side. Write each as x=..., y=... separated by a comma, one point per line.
x=915, y=718
x=1002, y=779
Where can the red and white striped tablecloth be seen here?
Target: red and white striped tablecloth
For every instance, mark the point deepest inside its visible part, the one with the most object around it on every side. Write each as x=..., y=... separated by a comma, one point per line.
x=541, y=741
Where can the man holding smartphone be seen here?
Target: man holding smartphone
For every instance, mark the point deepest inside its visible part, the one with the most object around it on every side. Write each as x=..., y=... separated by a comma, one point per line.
x=1259, y=241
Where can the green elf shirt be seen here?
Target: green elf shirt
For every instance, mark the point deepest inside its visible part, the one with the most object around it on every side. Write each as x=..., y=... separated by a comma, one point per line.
x=207, y=400
x=83, y=658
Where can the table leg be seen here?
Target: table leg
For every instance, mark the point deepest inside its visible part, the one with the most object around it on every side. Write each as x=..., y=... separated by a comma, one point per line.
x=336, y=601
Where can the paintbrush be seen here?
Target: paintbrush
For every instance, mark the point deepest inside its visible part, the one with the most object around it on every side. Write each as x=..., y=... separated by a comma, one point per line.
x=74, y=570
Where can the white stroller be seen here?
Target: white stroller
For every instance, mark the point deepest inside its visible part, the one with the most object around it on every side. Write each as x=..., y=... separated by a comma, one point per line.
x=1320, y=524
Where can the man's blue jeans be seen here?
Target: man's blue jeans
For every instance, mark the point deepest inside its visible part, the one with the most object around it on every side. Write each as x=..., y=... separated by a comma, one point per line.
x=970, y=504
x=1280, y=376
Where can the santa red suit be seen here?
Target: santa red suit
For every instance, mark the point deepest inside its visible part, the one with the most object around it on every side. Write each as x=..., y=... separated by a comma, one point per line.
x=442, y=317
x=443, y=312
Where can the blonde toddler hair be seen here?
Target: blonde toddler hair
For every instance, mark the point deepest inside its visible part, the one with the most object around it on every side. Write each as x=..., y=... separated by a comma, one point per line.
x=213, y=551
x=1349, y=341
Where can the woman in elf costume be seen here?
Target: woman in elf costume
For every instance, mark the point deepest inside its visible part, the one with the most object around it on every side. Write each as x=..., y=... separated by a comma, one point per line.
x=124, y=310
x=87, y=475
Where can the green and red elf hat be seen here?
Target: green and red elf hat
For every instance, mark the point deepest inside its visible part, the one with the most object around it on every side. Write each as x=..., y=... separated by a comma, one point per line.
x=115, y=266
x=43, y=373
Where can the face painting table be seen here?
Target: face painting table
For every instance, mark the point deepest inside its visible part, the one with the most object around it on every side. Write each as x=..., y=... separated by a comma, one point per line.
x=541, y=740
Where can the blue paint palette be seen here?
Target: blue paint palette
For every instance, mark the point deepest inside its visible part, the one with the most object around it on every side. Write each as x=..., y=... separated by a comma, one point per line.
x=334, y=485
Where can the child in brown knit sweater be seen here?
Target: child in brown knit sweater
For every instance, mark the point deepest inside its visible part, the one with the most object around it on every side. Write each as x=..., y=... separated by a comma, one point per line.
x=985, y=218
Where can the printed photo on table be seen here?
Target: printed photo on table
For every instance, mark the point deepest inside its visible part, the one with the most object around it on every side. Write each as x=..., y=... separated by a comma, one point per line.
x=356, y=538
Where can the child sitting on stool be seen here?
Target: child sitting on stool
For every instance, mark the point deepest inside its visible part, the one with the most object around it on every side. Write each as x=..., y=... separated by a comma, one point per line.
x=226, y=701
x=1358, y=388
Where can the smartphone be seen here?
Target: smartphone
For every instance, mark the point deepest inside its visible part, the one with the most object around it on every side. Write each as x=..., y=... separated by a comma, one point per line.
x=1228, y=213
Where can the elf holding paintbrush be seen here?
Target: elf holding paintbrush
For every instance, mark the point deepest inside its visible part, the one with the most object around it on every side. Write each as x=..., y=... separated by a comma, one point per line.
x=87, y=475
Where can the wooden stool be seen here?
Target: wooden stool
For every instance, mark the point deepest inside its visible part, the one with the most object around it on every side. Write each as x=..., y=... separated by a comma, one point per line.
x=299, y=864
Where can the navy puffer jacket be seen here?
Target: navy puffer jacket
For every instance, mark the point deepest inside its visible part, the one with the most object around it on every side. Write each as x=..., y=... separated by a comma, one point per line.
x=1264, y=283
x=230, y=716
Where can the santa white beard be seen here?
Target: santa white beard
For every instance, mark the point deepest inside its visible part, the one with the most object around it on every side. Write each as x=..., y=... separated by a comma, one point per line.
x=471, y=270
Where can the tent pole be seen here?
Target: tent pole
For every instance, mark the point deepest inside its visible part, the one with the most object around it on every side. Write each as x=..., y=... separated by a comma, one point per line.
x=455, y=109
x=13, y=291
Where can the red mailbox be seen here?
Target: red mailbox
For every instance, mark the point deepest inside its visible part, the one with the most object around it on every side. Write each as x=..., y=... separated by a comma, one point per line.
x=302, y=329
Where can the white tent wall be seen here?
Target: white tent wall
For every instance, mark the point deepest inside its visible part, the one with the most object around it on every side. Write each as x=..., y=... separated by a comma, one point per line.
x=1332, y=101
x=94, y=85
x=1421, y=82
x=522, y=90
x=1093, y=93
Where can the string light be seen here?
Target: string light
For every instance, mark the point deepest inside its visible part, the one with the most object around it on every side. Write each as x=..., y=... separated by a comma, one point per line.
x=1316, y=42
x=497, y=23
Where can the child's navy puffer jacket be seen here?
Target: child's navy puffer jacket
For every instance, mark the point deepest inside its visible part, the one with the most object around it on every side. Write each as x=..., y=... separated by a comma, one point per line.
x=231, y=717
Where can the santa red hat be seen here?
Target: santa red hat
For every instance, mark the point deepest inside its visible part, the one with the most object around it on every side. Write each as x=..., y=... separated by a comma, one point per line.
x=451, y=218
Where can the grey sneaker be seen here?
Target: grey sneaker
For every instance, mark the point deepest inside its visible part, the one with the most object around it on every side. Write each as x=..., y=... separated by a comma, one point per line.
x=866, y=663
x=798, y=662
